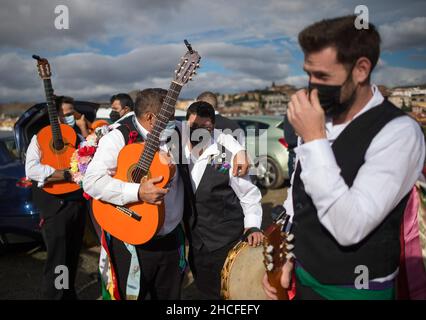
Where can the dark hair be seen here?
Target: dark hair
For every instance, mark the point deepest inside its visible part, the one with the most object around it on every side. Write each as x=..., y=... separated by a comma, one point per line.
x=125, y=100
x=350, y=43
x=202, y=109
x=149, y=100
x=60, y=100
x=209, y=97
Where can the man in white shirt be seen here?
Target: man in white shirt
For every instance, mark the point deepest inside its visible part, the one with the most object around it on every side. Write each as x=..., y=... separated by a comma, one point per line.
x=62, y=216
x=357, y=160
x=160, y=258
x=225, y=206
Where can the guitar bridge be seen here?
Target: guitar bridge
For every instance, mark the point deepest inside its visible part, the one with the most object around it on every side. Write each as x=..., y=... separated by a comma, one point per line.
x=129, y=212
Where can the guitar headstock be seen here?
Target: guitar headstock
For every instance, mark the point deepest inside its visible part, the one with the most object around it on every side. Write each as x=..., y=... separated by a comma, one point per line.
x=277, y=244
x=190, y=62
x=43, y=67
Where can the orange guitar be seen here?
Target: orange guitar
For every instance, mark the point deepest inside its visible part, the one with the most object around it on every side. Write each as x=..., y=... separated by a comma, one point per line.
x=276, y=251
x=137, y=223
x=57, y=141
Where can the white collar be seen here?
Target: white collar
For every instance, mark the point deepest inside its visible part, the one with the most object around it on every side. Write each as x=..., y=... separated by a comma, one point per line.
x=375, y=100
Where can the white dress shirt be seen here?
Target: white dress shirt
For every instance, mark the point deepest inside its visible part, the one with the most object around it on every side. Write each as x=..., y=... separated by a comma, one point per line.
x=34, y=170
x=393, y=162
x=99, y=183
x=248, y=194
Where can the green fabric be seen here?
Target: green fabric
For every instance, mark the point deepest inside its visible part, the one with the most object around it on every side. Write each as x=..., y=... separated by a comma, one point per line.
x=331, y=292
x=105, y=293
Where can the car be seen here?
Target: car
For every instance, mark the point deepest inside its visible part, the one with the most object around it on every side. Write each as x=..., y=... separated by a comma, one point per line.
x=19, y=218
x=270, y=158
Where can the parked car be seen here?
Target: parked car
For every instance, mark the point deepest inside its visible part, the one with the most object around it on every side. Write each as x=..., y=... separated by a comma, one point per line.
x=270, y=160
x=19, y=219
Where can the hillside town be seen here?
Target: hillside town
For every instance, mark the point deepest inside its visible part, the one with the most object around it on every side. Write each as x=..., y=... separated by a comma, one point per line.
x=272, y=100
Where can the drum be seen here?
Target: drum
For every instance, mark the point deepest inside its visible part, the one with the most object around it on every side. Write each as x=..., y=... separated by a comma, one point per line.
x=242, y=273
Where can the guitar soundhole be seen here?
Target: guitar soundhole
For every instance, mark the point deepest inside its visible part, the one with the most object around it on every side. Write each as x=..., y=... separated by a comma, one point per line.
x=58, y=146
x=134, y=174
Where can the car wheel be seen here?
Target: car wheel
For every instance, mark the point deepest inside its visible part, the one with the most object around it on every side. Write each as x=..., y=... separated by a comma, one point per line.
x=271, y=177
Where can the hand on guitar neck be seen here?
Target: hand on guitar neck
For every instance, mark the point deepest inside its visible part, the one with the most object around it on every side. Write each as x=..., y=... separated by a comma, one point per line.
x=284, y=281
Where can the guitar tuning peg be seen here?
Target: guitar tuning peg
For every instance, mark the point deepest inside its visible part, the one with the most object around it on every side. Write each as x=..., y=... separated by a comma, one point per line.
x=270, y=266
x=190, y=78
x=290, y=255
x=269, y=257
x=281, y=245
x=290, y=246
x=290, y=237
x=176, y=71
x=194, y=72
x=198, y=65
x=179, y=65
x=269, y=249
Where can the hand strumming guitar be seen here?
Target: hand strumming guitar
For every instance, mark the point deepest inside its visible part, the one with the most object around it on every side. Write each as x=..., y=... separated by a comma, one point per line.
x=60, y=175
x=149, y=193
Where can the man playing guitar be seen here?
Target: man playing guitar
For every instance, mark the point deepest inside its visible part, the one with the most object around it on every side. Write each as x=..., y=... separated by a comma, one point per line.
x=62, y=215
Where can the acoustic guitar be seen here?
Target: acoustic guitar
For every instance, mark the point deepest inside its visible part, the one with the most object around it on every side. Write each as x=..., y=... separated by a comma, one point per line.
x=57, y=141
x=277, y=250
x=138, y=222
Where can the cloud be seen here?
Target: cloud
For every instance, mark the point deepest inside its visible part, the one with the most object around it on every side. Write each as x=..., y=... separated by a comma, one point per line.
x=404, y=34
x=122, y=45
x=397, y=76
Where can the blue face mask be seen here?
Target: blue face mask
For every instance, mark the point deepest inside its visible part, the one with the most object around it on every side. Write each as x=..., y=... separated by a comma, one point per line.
x=168, y=130
x=69, y=120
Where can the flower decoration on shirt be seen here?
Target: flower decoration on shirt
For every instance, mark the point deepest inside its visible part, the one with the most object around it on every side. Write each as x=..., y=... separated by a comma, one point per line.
x=133, y=135
x=220, y=164
x=84, y=154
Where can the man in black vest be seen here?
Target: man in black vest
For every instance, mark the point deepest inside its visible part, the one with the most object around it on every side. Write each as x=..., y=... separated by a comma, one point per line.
x=161, y=260
x=62, y=216
x=357, y=160
x=225, y=206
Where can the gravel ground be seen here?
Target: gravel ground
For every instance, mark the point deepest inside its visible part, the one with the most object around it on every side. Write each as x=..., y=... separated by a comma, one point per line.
x=21, y=266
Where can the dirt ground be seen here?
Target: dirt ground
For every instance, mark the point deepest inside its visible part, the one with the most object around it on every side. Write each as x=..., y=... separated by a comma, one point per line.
x=21, y=266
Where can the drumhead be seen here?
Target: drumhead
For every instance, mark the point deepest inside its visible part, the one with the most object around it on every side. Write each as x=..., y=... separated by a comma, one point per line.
x=243, y=272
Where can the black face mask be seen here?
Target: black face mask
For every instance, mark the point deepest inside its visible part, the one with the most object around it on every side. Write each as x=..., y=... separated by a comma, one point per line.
x=114, y=115
x=329, y=98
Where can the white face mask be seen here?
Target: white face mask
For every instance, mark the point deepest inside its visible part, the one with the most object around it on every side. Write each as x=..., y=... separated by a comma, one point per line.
x=70, y=120
x=168, y=130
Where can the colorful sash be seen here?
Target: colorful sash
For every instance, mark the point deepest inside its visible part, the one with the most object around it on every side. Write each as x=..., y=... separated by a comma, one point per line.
x=412, y=277
x=377, y=291
x=108, y=275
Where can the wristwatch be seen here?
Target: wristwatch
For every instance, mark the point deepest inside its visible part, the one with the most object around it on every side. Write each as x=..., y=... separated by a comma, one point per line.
x=67, y=176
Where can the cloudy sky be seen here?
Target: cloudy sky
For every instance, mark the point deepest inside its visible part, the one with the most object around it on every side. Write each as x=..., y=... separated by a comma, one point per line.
x=122, y=45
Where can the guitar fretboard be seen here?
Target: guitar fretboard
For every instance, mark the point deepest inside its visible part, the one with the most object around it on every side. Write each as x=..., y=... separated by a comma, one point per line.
x=153, y=140
x=52, y=112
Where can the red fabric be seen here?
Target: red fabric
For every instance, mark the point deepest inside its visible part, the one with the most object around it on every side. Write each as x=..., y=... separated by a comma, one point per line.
x=292, y=291
x=132, y=137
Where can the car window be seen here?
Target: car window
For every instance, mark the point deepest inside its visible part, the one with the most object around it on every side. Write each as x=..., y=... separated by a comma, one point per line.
x=249, y=126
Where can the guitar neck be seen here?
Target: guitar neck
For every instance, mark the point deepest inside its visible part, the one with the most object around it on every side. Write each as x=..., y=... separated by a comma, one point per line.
x=51, y=110
x=153, y=141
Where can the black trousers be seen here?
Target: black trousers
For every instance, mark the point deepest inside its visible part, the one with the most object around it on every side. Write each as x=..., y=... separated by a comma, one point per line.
x=159, y=259
x=62, y=232
x=206, y=268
